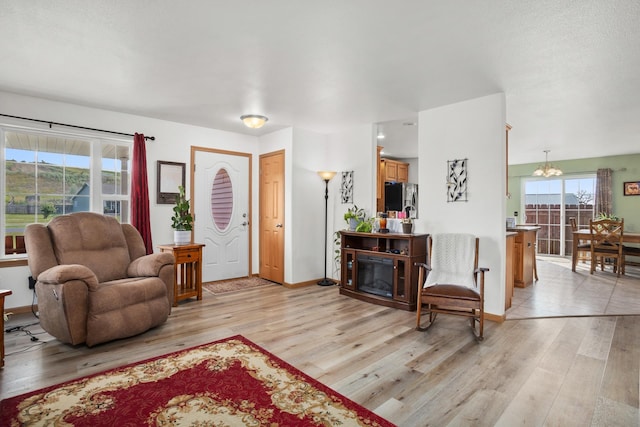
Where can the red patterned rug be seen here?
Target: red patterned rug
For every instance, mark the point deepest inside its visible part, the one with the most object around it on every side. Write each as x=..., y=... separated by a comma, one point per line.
x=231, y=382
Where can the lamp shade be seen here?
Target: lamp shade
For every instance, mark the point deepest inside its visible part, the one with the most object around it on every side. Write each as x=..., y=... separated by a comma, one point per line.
x=253, y=121
x=326, y=175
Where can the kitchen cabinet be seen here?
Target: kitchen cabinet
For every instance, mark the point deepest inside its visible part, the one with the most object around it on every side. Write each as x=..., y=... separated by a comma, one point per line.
x=389, y=171
x=524, y=255
x=511, y=237
x=394, y=171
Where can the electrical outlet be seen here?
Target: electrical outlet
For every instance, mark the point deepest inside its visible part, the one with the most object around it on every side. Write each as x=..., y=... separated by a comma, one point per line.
x=515, y=213
x=32, y=282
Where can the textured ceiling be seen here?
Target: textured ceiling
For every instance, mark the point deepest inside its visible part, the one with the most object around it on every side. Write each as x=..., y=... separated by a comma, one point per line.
x=569, y=69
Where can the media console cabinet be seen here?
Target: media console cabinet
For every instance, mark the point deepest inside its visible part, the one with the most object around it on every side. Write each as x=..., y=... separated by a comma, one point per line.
x=379, y=268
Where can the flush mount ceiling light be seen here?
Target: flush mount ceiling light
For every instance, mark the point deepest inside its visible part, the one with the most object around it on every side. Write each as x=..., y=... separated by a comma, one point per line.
x=253, y=121
x=380, y=135
x=547, y=169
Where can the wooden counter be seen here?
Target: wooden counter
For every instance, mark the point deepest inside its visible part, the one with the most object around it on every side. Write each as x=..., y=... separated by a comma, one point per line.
x=508, y=296
x=3, y=293
x=524, y=254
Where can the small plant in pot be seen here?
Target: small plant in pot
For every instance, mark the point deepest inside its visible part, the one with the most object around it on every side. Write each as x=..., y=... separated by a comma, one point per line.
x=354, y=216
x=182, y=221
x=407, y=226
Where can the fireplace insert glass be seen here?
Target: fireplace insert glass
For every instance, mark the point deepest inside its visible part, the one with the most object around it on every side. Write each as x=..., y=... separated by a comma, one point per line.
x=375, y=275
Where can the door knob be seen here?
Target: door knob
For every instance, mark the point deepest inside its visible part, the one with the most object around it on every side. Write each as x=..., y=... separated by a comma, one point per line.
x=279, y=225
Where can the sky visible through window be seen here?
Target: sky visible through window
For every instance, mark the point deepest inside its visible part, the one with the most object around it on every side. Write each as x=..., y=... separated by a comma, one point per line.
x=70, y=160
x=554, y=186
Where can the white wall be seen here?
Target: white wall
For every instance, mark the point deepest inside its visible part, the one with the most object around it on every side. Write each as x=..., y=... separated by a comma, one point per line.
x=352, y=150
x=474, y=130
x=310, y=155
x=173, y=142
x=305, y=152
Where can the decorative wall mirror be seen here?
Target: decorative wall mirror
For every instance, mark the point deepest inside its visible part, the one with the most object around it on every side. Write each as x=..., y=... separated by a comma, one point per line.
x=171, y=175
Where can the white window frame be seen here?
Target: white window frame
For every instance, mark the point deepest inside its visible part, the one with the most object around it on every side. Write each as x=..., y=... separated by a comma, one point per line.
x=97, y=198
x=563, y=219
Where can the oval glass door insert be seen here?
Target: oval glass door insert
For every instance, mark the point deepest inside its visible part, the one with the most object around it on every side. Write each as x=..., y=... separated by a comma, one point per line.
x=221, y=199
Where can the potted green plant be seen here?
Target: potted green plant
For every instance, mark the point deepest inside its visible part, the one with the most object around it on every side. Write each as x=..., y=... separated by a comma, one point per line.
x=354, y=216
x=365, y=225
x=407, y=225
x=604, y=215
x=182, y=221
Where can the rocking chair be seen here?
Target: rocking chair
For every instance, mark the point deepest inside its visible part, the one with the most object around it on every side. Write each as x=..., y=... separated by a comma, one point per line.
x=449, y=284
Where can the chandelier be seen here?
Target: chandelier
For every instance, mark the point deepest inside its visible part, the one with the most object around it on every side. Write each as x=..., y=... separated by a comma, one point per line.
x=547, y=169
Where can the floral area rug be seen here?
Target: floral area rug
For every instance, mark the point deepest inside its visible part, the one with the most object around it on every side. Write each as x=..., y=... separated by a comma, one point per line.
x=231, y=382
x=232, y=285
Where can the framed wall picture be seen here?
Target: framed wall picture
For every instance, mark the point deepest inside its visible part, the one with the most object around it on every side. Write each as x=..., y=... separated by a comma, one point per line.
x=457, y=180
x=346, y=187
x=171, y=175
x=632, y=188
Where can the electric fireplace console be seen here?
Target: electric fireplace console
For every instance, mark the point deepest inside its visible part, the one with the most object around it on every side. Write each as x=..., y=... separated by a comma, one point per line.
x=379, y=268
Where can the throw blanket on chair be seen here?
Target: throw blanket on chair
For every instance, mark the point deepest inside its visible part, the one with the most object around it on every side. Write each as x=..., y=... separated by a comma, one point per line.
x=452, y=260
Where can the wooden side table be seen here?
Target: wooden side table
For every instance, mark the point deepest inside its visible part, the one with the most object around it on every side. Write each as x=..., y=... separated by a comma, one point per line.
x=3, y=293
x=187, y=270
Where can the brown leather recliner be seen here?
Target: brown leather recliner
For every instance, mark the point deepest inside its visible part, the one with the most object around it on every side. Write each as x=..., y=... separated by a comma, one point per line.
x=95, y=282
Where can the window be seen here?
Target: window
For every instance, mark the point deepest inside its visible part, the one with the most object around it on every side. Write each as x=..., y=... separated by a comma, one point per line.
x=222, y=200
x=48, y=174
x=550, y=203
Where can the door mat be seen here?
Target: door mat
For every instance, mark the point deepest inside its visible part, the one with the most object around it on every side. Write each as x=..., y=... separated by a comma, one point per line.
x=224, y=286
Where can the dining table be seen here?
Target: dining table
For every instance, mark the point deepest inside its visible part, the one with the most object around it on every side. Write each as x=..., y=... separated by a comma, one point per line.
x=585, y=235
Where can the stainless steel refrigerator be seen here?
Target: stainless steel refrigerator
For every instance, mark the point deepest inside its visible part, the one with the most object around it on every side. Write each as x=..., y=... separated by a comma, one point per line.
x=402, y=197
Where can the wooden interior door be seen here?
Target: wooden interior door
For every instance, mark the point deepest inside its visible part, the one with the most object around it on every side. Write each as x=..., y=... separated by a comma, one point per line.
x=272, y=216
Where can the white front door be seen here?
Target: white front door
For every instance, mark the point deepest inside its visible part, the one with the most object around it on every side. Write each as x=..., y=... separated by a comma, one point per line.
x=221, y=207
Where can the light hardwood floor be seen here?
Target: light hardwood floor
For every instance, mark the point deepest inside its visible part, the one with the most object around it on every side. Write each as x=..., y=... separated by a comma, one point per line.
x=562, y=292
x=570, y=371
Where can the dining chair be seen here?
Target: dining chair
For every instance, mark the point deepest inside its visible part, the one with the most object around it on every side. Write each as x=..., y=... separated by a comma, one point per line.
x=606, y=242
x=584, y=248
x=452, y=283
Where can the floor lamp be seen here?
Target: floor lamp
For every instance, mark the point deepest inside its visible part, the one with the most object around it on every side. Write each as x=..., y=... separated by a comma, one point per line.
x=326, y=177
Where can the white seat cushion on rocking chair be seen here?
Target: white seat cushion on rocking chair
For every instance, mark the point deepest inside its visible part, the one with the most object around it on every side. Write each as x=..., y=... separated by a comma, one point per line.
x=452, y=260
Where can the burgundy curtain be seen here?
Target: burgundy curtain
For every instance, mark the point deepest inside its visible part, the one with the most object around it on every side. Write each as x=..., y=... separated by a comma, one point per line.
x=603, y=192
x=140, y=192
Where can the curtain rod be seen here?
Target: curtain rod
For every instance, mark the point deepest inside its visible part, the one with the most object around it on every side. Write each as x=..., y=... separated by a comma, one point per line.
x=570, y=173
x=50, y=123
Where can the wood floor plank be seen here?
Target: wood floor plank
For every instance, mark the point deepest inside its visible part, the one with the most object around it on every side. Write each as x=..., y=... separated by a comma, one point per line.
x=482, y=409
x=533, y=401
x=524, y=372
x=614, y=414
x=502, y=367
x=620, y=383
x=597, y=341
x=575, y=401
